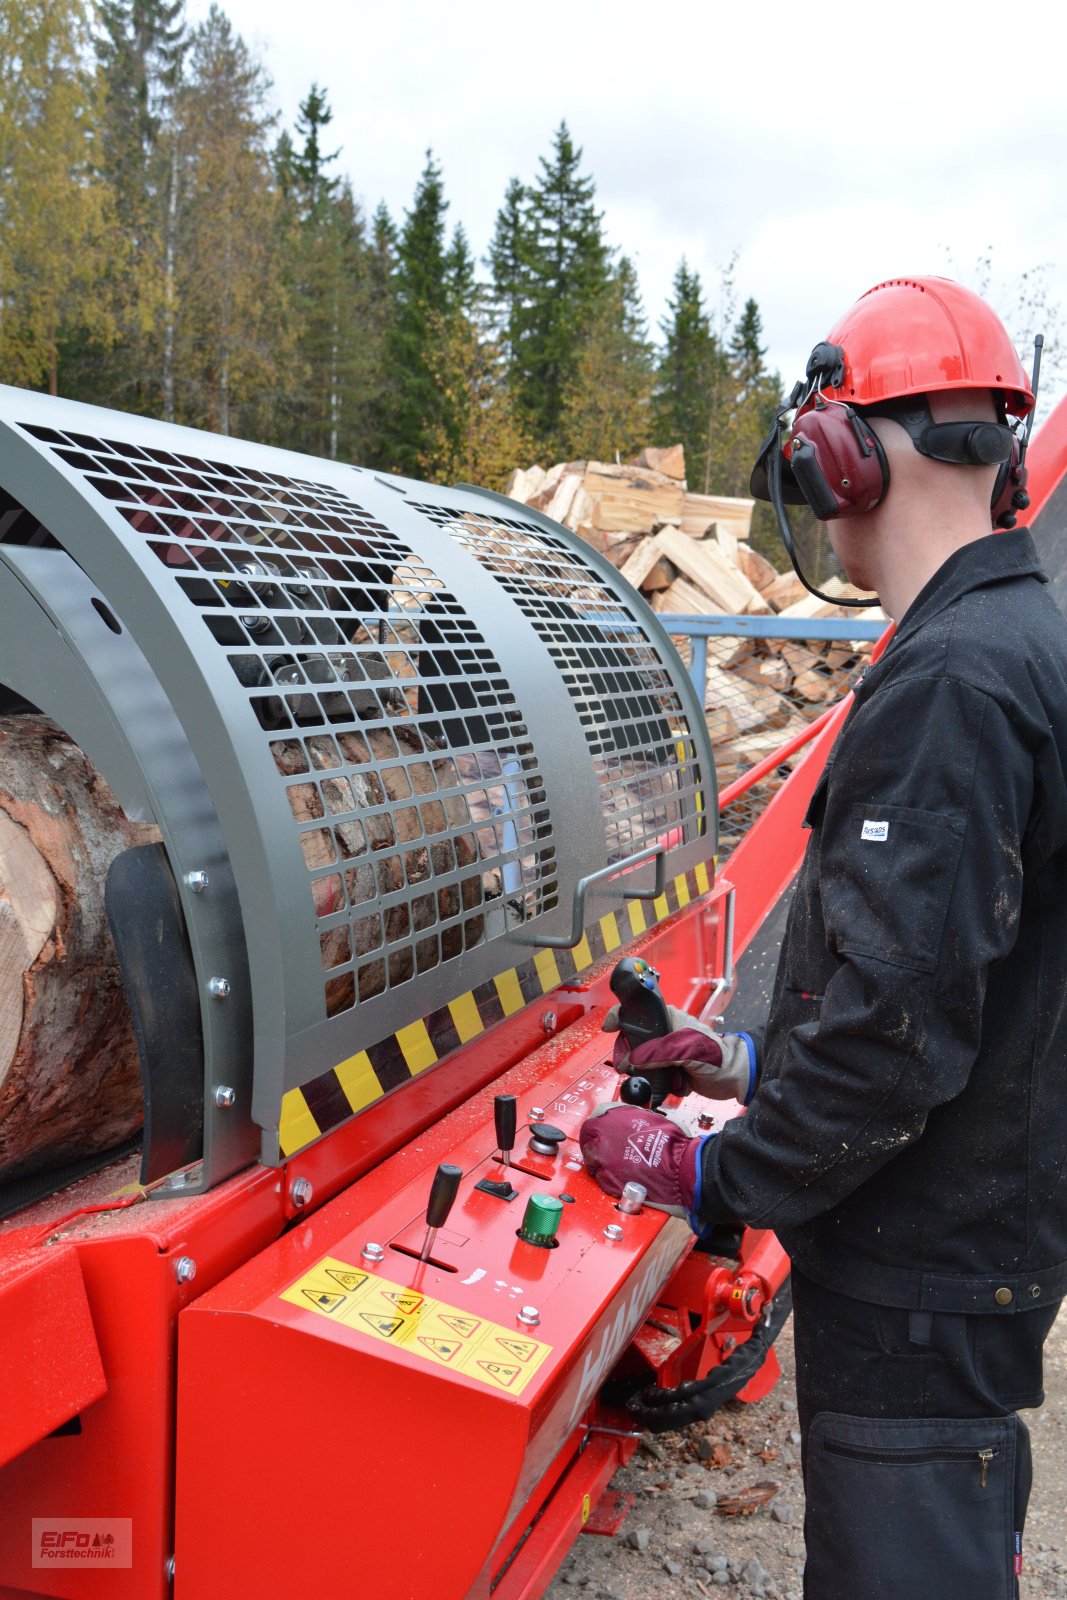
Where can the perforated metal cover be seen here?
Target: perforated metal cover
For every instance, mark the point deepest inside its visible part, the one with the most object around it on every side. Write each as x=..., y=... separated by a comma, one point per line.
x=420, y=718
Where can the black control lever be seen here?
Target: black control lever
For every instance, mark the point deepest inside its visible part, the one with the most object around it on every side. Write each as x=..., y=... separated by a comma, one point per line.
x=443, y=1192
x=504, y=1116
x=643, y=1015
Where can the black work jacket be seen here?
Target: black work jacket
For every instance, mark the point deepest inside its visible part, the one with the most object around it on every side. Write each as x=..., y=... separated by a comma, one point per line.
x=908, y=1139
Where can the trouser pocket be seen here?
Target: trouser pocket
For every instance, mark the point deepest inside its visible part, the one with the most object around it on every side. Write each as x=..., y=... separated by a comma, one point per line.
x=904, y=1507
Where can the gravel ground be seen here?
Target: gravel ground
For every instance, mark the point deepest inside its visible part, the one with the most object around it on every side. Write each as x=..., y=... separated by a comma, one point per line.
x=675, y=1543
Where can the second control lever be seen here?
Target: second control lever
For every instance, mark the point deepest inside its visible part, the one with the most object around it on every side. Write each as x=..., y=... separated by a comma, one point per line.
x=504, y=1116
x=443, y=1192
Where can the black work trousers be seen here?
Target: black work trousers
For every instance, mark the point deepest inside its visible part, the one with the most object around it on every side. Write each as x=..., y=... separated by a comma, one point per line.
x=916, y=1469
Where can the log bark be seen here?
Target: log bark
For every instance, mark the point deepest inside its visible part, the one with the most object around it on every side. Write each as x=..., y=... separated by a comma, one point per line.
x=69, y=1077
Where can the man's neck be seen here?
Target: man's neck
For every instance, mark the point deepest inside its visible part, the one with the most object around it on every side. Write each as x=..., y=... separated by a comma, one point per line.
x=912, y=556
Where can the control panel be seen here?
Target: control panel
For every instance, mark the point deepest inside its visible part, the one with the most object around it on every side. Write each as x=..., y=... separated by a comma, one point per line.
x=494, y=1289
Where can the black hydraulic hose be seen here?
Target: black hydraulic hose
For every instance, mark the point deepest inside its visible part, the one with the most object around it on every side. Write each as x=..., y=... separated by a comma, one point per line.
x=661, y=1410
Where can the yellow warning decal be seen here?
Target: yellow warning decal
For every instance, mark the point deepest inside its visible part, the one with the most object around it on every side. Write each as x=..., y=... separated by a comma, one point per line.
x=400, y=1316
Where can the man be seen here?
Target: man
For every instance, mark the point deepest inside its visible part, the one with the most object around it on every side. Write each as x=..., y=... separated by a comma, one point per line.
x=907, y=1136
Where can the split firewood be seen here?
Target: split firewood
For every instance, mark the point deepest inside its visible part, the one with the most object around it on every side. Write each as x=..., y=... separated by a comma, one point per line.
x=70, y=1081
x=376, y=852
x=630, y=499
x=671, y=461
x=756, y=568
x=642, y=561
x=728, y=543
x=699, y=511
x=783, y=591
x=704, y=563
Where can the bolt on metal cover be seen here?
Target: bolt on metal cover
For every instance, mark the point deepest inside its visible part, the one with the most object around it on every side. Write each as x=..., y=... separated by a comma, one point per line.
x=225, y=1096
x=219, y=987
x=613, y=1231
x=529, y=1315
x=300, y=1191
x=185, y=1269
x=372, y=1252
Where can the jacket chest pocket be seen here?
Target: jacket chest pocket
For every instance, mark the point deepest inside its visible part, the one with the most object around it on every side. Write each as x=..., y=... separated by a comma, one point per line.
x=887, y=879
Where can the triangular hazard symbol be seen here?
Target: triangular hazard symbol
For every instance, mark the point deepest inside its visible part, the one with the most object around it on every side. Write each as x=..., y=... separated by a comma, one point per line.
x=323, y=1300
x=347, y=1280
x=404, y=1300
x=522, y=1349
x=464, y=1326
x=386, y=1326
x=444, y=1349
x=501, y=1373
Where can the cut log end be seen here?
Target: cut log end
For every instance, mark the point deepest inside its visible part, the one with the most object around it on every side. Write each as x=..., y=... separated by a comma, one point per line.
x=69, y=1075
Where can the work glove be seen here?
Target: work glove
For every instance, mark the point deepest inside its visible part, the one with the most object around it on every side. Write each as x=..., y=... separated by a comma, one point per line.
x=719, y=1065
x=626, y=1144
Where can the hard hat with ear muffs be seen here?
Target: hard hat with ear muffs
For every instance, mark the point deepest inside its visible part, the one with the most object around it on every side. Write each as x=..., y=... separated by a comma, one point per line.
x=903, y=340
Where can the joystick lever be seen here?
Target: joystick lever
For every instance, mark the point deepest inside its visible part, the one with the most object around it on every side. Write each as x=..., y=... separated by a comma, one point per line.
x=643, y=1015
x=442, y=1197
x=504, y=1117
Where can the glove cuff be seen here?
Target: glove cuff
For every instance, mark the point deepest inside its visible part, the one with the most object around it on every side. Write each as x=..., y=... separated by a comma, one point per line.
x=753, y=1067
x=691, y=1181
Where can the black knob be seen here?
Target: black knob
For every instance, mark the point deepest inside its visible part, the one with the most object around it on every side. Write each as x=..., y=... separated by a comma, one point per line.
x=442, y=1194
x=504, y=1119
x=636, y=1091
x=546, y=1139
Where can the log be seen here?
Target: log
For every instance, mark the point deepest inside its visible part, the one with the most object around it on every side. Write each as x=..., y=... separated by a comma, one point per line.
x=69, y=1076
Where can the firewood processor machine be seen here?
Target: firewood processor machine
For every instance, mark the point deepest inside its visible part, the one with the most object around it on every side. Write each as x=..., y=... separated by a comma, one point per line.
x=424, y=769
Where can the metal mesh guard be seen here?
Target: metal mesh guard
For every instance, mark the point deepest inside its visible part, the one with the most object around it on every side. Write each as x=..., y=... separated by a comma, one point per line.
x=400, y=789
x=418, y=807
x=631, y=714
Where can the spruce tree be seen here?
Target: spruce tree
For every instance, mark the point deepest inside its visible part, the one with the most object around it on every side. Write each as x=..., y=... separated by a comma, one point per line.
x=422, y=283
x=509, y=264
x=328, y=266
x=139, y=48
x=233, y=332
x=690, y=366
x=567, y=271
x=607, y=395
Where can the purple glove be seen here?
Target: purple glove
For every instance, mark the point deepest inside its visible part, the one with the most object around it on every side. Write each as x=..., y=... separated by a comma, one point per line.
x=721, y=1066
x=626, y=1144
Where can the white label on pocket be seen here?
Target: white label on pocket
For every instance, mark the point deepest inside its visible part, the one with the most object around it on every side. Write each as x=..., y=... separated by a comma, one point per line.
x=875, y=830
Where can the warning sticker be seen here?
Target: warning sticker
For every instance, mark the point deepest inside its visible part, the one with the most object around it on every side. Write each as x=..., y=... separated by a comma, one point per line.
x=348, y=1280
x=439, y=1334
x=323, y=1300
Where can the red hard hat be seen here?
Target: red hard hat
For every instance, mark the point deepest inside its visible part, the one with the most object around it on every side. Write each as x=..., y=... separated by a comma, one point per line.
x=918, y=335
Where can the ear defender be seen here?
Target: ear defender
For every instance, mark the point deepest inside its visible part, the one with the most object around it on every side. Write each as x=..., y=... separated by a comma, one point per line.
x=837, y=461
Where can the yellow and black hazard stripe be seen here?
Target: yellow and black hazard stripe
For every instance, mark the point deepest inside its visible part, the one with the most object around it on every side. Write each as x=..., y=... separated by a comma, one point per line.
x=351, y=1086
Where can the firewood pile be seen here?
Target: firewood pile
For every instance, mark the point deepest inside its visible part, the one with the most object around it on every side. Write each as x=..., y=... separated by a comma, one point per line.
x=689, y=554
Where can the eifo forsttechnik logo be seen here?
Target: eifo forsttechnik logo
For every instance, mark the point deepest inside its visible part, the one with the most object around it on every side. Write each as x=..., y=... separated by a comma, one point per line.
x=82, y=1541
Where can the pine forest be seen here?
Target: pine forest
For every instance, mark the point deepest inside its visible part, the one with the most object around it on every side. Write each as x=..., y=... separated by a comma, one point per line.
x=168, y=248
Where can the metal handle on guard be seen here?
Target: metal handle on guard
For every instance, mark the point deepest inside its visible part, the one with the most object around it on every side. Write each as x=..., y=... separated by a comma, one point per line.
x=567, y=941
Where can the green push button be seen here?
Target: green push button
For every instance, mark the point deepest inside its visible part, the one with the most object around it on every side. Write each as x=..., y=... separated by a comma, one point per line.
x=541, y=1221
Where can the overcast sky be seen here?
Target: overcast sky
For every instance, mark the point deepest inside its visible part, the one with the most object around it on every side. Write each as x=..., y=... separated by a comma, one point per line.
x=828, y=145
